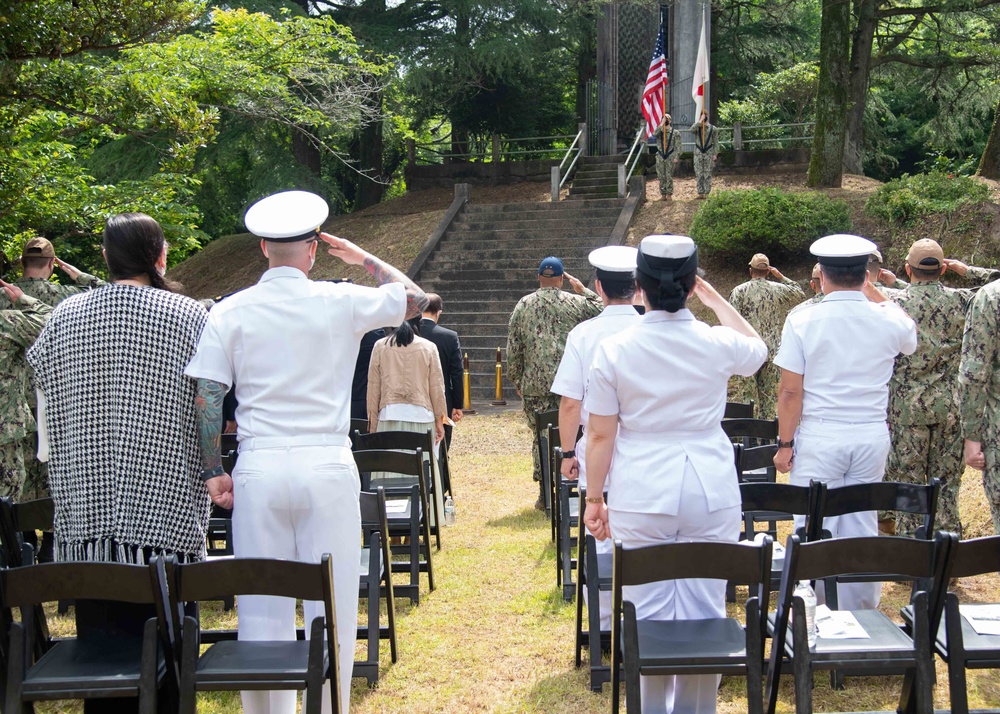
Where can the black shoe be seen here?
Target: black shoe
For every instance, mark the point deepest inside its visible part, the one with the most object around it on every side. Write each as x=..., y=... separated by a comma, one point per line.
x=540, y=504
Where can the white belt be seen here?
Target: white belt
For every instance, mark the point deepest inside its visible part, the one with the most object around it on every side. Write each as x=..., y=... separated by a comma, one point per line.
x=284, y=442
x=840, y=422
x=672, y=435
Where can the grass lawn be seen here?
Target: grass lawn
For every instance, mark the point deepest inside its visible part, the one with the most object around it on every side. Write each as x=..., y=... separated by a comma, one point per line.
x=496, y=635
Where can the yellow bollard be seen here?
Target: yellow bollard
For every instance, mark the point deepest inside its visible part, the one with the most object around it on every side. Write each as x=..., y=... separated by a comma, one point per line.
x=467, y=385
x=499, y=401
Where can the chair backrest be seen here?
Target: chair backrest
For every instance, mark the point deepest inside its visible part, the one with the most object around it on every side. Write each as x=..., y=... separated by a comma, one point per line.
x=738, y=410
x=409, y=440
x=373, y=514
x=759, y=459
x=49, y=582
x=783, y=497
x=917, y=559
x=18, y=517
x=742, y=427
x=967, y=559
x=408, y=463
x=544, y=419
x=211, y=579
x=885, y=496
x=37, y=515
x=740, y=562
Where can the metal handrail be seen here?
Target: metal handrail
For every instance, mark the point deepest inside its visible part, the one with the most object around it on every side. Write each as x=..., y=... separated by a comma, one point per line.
x=638, y=154
x=486, y=152
x=575, y=146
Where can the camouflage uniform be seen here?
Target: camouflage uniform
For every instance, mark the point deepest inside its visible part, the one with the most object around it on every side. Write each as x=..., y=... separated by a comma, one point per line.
x=536, y=339
x=704, y=156
x=923, y=397
x=36, y=482
x=665, y=158
x=18, y=329
x=764, y=304
x=979, y=387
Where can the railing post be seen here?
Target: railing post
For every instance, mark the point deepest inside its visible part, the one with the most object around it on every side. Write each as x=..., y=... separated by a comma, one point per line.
x=582, y=128
x=737, y=136
x=496, y=148
x=621, y=180
x=555, y=184
x=411, y=152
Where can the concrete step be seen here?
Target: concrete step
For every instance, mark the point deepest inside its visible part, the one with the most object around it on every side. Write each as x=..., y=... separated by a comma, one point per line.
x=447, y=265
x=597, y=171
x=596, y=160
x=485, y=329
x=473, y=276
x=536, y=224
x=490, y=245
x=564, y=214
x=591, y=191
x=505, y=208
x=444, y=286
x=596, y=181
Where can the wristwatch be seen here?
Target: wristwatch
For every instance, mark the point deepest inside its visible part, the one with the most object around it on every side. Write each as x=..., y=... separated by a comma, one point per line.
x=212, y=472
x=786, y=444
x=569, y=454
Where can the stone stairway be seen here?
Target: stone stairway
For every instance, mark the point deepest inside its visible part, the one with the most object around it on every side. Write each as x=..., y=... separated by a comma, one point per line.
x=488, y=260
x=596, y=177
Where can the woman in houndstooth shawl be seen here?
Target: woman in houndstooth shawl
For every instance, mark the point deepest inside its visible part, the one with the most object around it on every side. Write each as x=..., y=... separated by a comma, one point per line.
x=124, y=460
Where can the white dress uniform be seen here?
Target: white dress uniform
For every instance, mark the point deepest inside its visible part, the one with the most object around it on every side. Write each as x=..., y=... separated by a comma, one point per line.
x=290, y=345
x=612, y=262
x=844, y=347
x=672, y=476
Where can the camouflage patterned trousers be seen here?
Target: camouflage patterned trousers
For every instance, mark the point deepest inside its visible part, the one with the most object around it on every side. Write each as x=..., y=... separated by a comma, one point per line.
x=665, y=173
x=703, y=172
x=762, y=388
x=924, y=452
x=991, y=474
x=537, y=404
x=36, y=474
x=11, y=470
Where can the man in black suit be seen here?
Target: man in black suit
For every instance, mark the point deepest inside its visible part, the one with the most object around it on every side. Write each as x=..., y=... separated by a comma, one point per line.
x=450, y=353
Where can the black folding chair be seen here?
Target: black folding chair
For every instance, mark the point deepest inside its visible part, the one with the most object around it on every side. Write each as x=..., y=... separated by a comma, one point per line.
x=15, y=519
x=566, y=510
x=405, y=441
x=376, y=579
x=254, y=665
x=594, y=574
x=406, y=502
x=751, y=432
x=704, y=646
x=544, y=420
x=888, y=648
x=91, y=667
x=955, y=638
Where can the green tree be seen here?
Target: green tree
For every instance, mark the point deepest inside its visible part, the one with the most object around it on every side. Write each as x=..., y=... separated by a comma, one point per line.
x=989, y=166
x=826, y=160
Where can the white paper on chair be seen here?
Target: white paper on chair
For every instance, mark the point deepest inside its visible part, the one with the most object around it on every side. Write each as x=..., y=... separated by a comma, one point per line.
x=985, y=619
x=396, y=506
x=777, y=549
x=838, y=625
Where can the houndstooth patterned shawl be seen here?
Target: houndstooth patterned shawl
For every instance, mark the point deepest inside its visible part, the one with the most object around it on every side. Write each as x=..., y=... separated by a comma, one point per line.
x=124, y=459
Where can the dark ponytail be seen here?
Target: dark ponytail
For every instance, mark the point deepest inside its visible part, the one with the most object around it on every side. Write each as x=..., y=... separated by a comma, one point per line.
x=133, y=242
x=403, y=335
x=669, y=293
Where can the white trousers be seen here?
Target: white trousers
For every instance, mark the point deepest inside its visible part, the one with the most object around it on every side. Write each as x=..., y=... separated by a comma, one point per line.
x=689, y=599
x=842, y=455
x=298, y=503
x=603, y=546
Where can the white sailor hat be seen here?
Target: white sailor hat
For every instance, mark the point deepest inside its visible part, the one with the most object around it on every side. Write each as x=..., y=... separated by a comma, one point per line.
x=842, y=250
x=287, y=217
x=660, y=255
x=667, y=246
x=614, y=262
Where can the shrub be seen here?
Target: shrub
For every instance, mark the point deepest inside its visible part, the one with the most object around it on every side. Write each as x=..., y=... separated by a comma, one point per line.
x=907, y=198
x=769, y=220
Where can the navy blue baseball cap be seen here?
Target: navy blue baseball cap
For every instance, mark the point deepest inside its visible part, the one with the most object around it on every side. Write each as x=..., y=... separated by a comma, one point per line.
x=551, y=267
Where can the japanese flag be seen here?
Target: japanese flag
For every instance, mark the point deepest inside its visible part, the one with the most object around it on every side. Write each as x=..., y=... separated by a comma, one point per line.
x=700, y=80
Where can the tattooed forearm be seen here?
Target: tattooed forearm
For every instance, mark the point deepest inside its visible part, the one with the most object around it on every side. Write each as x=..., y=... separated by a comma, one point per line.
x=416, y=300
x=208, y=404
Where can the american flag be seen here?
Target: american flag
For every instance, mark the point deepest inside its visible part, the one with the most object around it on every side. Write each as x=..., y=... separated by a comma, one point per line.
x=656, y=84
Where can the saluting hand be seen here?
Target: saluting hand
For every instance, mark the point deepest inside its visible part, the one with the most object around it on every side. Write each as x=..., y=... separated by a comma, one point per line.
x=13, y=292
x=955, y=266
x=575, y=284
x=71, y=272
x=344, y=249
x=220, y=489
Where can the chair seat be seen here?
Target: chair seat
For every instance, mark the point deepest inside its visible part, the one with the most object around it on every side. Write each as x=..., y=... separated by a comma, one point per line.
x=695, y=642
x=255, y=662
x=106, y=664
x=394, y=484
x=396, y=519
x=886, y=641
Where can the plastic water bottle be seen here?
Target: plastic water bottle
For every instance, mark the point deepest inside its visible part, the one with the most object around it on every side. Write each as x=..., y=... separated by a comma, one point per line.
x=449, y=520
x=804, y=590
